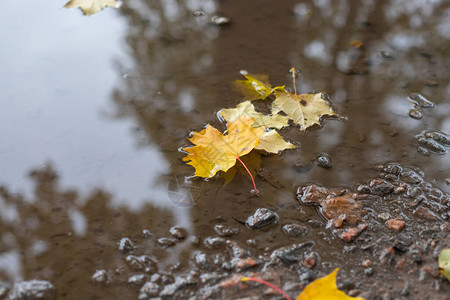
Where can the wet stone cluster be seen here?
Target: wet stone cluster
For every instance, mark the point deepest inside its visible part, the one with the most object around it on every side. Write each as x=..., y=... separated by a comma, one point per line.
x=396, y=221
x=432, y=141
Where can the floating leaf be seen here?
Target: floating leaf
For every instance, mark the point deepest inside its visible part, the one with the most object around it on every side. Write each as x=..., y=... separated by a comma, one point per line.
x=217, y=152
x=90, y=7
x=325, y=288
x=272, y=142
x=304, y=109
x=444, y=263
x=255, y=86
x=247, y=109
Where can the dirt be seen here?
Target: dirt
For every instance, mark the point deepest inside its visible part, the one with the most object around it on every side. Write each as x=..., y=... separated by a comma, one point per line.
x=96, y=202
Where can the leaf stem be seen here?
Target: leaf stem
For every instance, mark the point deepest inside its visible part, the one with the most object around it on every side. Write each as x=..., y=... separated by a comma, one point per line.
x=249, y=173
x=293, y=79
x=268, y=284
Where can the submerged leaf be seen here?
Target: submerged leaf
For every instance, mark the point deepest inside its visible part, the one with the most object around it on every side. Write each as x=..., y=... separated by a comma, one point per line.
x=255, y=86
x=272, y=142
x=252, y=161
x=304, y=109
x=444, y=263
x=325, y=288
x=90, y=7
x=217, y=152
x=247, y=109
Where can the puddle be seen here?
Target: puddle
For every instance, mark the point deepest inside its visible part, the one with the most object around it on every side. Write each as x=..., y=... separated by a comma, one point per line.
x=94, y=110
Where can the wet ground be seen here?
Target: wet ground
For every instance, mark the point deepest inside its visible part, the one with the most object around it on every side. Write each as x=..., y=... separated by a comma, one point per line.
x=94, y=198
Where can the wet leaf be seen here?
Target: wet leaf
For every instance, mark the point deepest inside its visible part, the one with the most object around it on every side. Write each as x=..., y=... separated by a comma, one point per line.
x=325, y=288
x=90, y=7
x=247, y=109
x=217, y=152
x=304, y=109
x=255, y=86
x=272, y=142
x=444, y=263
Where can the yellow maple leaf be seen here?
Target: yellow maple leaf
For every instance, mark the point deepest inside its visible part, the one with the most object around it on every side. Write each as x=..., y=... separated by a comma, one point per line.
x=217, y=152
x=325, y=288
x=304, y=109
x=247, y=109
x=270, y=141
x=255, y=86
x=90, y=7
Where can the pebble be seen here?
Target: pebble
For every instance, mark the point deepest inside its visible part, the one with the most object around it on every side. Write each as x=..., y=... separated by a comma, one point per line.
x=261, y=218
x=142, y=263
x=226, y=230
x=410, y=176
x=290, y=254
x=219, y=20
x=101, y=276
x=149, y=289
x=136, y=279
x=323, y=160
x=416, y=113
x=420, y=100
x=295, y=230
x=126, y=245
x=381, y=187
x=146, y=234
x=32, y=290
x=178, y=232
x=201, y=260
x=237, y=250
x=214, y=242
x=395, y=224
x=166, y=242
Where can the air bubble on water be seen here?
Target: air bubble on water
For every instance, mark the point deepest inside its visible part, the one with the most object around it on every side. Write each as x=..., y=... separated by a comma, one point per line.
x=297, y=72
x=219, y=20
x=198, y=13
x=243, y=72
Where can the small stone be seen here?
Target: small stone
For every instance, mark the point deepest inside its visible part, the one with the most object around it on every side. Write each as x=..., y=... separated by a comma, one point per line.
x=32, y=289
x=165, y=242
x=244, y=263
x=416, y=113
x=381, y=187
x=431, y=83
x=101, y=276
x=425, y=214
x=410, y=176
x=150, y=289
x=214, y=242
x=226, y=230
x=178, y=232
x=364, y=189
x=323, y=160
x=126, y=245
x=369, y=271
x=387, y=256
x=354, y=292
x=395, y=224
x=310, y=261
x=420, y=100
x=262, y=217
x=295, y=230
x=146, y=234
x=367, y=263
x=289, y=254
x=219, y=20
x=142, y=263
x=202, y=261
x=136, y=279
x=384, y=216
x=351, y=234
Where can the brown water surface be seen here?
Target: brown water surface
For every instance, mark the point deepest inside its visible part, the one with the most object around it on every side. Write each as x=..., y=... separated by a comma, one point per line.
x=95, y=109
